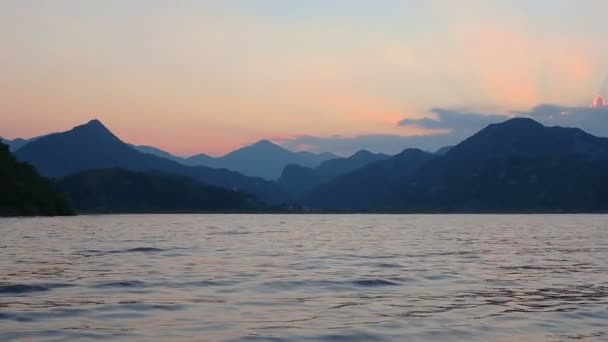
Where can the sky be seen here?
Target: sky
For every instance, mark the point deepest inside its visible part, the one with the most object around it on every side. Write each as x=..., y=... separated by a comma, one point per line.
x=321, y=75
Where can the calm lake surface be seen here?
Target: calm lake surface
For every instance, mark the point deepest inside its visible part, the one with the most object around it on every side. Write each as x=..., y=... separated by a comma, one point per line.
x=305, y=278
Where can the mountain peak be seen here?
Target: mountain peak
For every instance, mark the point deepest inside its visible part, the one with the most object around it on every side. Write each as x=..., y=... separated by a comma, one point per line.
x=522, y=121
x=93, y=129
x=264, y=145
x=264, y=142
x=518, y=123
x=528, y=138
x=93, y=124
x=362, y=154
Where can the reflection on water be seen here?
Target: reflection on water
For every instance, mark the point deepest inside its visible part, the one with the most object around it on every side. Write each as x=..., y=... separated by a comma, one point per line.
x=305, y=277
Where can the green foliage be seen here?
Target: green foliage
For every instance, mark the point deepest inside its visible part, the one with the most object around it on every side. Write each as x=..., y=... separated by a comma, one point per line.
x=24, y=193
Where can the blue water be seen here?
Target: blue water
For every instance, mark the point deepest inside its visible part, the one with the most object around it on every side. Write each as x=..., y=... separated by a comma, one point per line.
x=305, y=278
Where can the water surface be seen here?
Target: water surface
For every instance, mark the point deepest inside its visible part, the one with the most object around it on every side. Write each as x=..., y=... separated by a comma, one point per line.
x=305, y=278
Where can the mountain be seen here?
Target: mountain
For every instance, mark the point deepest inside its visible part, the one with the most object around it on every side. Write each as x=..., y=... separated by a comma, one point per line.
x=93, y=146
x=199, y=159
x=517, y=165
x=263, y=159
x=195, y=160
x=299, y=180
x=363, y=188
x=444, y=150
x=14, y=144
x=24, y=192
x=122, y=191
x=333, y=168
x=158, y=152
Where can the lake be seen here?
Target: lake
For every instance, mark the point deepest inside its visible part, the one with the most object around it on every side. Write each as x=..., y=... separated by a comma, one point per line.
x=305, y=278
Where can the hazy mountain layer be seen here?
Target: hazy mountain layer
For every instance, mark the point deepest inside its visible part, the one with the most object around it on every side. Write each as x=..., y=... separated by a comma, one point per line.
x=263, y=159
x=93, y=146
x=299, y=180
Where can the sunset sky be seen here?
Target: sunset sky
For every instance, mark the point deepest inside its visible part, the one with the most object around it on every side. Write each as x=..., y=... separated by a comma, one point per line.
x=211, y=76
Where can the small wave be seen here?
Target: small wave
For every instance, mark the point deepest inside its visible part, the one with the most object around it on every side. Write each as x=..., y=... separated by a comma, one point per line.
x=96, y=252
x=143, y=249
x=27, y=288
x=202, y=283
x=374, y=282
x=123, y=283
x=15, y=317
x=150, y=306
x=346, y=284
x=387, y=265
x=347, y=336
x=231, y=232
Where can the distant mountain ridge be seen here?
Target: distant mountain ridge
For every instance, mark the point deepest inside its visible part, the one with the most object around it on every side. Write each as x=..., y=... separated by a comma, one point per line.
x=363, y=188
x=157, y=152
x=266, y=159
x=517, y=165
x=299, y=180
x=93, y=146
x=15, y=144
x=263, y=159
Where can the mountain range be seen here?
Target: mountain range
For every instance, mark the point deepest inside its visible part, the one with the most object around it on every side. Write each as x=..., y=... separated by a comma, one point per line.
x=93, y=146
x=515, y=166
x=15, y=144
x=299, y=180
x=263, y=159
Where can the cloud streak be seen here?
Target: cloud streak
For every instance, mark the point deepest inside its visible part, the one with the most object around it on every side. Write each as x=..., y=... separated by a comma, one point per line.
x=591, y=120
x=454, y=120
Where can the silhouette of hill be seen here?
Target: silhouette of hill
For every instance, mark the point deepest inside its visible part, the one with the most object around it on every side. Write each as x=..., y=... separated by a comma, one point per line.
x=15, y=144
x=517, y=165
x=158, y=152
x=23, y=192
x=363, y=188
x=263, y=159
x=336, y=167
x=122, y=191
x=199, y=159
x=444, y=150
x=93, y=146
x=299, y=180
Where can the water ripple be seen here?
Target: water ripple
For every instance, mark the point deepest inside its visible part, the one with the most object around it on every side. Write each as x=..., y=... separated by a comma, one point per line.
x=12, y=289
x=305, y=278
